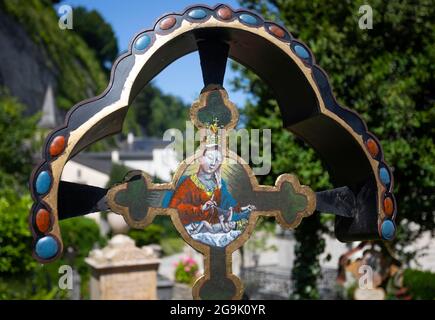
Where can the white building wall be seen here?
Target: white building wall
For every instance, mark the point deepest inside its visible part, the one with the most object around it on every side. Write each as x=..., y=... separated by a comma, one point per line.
x=78, y=173
x=166, y=163
x=147, y=166
x=163, y=164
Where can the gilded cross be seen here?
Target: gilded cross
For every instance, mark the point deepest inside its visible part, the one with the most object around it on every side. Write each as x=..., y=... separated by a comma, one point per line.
x=226, y=217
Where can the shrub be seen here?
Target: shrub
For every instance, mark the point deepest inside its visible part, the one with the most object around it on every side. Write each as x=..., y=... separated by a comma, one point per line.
x=186, y=271
x=15, y=236
x=420, y=284
x=161, y=232
x=151, y=234
x=172, y=246
x=82, y=234
x=30, y=287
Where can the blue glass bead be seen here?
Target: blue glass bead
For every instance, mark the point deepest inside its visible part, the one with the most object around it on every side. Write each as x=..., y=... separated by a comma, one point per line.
x=43, y=182
x=385, y=176
x=142, y=42
x=249, y=19
x=197, y=14
x=46, y=247
x=387, y=230
x=301, y=52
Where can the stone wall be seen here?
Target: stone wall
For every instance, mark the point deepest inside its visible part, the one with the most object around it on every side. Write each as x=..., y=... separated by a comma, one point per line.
x=24, y=66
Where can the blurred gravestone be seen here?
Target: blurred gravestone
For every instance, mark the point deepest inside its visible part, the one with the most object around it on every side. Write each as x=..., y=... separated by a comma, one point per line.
x=122, y=271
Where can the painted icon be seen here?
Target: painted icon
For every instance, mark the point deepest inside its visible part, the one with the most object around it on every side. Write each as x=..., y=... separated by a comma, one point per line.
x=203, y=198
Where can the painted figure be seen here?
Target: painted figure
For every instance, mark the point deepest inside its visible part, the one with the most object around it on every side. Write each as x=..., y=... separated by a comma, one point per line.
x=204, y=203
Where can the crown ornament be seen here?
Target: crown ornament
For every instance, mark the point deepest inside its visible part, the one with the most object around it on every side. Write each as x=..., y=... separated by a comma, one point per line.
x=213, y=133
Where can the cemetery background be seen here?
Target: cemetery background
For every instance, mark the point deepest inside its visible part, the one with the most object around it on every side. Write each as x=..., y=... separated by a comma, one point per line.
x=386, y=74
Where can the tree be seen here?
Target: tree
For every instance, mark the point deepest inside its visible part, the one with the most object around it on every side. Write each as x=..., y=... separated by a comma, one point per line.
x=15, y=236
x=98, y=35
x=17, y=266
x=15, y=164
x=386, y=74
x=151, y=108
x=80, y=235
x=15, y=149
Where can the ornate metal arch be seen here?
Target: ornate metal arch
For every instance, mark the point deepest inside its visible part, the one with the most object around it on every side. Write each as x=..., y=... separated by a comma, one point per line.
x=363, y=199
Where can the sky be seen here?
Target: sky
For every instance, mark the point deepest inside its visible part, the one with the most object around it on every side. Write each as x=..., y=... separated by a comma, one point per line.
x=183, y=77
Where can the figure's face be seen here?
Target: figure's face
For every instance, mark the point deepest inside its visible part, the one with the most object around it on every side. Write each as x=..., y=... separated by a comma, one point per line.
x=211, y=160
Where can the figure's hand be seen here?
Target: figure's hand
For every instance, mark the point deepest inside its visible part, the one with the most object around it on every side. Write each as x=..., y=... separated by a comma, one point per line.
x=209, y=204
x=230, y=212
x=249, y=207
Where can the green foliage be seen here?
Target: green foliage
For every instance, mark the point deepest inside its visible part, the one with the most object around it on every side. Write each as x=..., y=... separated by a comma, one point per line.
x=420, y=284
x=290, y=154
x=97, y=34
x=258, y=243
x=170, y=241
x=16, y=132
x=172, y=246
x=387, y=75
x=22, y=278
x=148, y=115
x=155, y=112
x=20, y=275
x=186, y=271
x=117, y=174
x=81, y=234
x=158, y=233
x=161, y=232
x=15, y=236
x=350, y=291
x=80, y=76
x=79, y=73
x=15, y=165
x=306, y=268
x=168, y=227
x=18, y=288
x=152, y=234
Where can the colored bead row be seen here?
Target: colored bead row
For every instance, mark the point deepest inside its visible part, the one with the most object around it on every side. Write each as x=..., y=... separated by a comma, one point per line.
x=387, y=227
x=224, y=13
x=46, y=247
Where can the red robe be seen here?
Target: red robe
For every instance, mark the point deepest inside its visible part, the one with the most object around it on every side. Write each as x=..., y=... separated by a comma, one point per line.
x=188, y=199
